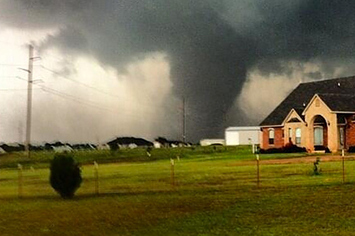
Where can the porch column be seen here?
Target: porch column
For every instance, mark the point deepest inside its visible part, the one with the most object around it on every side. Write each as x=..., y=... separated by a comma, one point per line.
x=333, y=143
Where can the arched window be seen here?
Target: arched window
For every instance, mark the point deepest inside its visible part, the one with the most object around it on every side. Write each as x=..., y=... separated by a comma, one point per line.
x=271, y=136
x=298, y=136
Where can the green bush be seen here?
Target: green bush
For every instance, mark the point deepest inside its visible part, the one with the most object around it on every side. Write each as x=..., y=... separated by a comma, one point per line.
x=65, y=176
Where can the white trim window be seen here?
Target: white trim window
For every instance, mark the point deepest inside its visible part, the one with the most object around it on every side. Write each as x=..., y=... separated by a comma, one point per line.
x=318, y=135
x=271, y=136
x=289, y=135
x=298, y=136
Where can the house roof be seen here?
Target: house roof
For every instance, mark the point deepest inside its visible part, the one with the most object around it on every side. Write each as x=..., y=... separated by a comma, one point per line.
x=335, y=93
x=244, y=128
x=339, y=102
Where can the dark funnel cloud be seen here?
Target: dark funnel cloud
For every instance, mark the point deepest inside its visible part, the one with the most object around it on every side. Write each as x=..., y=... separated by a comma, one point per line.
x=211, y=46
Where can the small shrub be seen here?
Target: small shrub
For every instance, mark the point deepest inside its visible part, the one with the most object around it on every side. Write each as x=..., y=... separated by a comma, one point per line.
x=288, y=148
x=270, y=150
x=65, y=176
x=351, y=149
x=291, y=148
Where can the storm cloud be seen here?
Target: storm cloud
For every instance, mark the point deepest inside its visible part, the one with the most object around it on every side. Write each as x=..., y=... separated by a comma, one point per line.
x=211, y=46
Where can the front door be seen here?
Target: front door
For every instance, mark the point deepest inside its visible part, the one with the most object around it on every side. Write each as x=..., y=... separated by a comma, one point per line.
x=318, y=136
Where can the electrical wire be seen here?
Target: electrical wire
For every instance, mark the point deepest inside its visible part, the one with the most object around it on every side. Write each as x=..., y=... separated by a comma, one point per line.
x=16, y=90
x=77, y=99
x=83, y=102
x=80, y=83
x=74, y=98
x=7, y=76
x=96, y=89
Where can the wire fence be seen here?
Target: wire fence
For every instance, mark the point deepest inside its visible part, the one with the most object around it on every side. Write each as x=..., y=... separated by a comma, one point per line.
x=186, y=175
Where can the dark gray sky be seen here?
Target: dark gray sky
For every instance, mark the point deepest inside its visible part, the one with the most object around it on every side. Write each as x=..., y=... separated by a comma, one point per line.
x=218, y=52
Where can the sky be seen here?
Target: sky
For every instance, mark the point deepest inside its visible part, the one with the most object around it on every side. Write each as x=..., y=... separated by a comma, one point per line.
x=107, y=68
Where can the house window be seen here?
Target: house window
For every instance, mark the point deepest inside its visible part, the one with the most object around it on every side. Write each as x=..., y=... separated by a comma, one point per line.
x=271, y=136
x=290, y=135
x=298, y=136
x=318, y=135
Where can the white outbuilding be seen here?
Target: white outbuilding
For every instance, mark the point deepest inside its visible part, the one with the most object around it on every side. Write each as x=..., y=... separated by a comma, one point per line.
x=243, y=135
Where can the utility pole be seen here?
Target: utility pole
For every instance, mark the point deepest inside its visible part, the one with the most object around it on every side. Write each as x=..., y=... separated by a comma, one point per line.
x=183, y=120
x=29, y=102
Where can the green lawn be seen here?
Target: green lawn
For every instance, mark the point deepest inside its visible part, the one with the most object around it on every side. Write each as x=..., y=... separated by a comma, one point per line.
x=215, y=193
x=42, y=158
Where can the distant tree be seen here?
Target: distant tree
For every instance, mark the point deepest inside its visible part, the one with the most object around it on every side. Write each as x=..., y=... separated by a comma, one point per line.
x=65, y=176
x=163, y=141
x=113, y=145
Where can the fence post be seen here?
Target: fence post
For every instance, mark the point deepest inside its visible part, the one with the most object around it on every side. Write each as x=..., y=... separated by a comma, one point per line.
x=96, y=176
x=172, y=172
x=20, y=181
x=257, y=171
x=343, y=163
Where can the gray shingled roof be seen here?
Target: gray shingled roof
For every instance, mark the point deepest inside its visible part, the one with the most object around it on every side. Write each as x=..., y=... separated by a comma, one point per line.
x=338, y=94
x=339, y=102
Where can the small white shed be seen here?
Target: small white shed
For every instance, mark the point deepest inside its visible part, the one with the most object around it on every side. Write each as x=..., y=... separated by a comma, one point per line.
x=243, y=135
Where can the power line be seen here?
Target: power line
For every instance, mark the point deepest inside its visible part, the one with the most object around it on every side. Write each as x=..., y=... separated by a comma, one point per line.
x=74, y=98
x=81, y=101
x=82, y=84
x=67, y=96
x=7, y=76
x=93, y=88
x=15, y=90
x=78, y=82
x=19, y=78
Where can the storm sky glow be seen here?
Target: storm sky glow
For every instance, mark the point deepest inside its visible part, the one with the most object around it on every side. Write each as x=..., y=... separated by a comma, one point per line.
x=121, y=68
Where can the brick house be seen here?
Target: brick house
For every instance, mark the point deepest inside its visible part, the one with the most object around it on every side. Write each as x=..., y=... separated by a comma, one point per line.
x=314, y=115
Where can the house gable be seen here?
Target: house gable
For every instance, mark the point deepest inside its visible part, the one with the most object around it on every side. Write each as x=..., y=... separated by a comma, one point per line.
x=292, y=117
x=316, y=103
x=315, y=110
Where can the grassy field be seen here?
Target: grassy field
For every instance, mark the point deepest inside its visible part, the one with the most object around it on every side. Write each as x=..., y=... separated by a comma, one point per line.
x=215, y=193
x=42, y=158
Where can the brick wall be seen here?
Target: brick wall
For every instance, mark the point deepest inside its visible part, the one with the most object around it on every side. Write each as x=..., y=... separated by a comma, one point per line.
x=350, y=133
x=325, y=136
x=278, y=141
